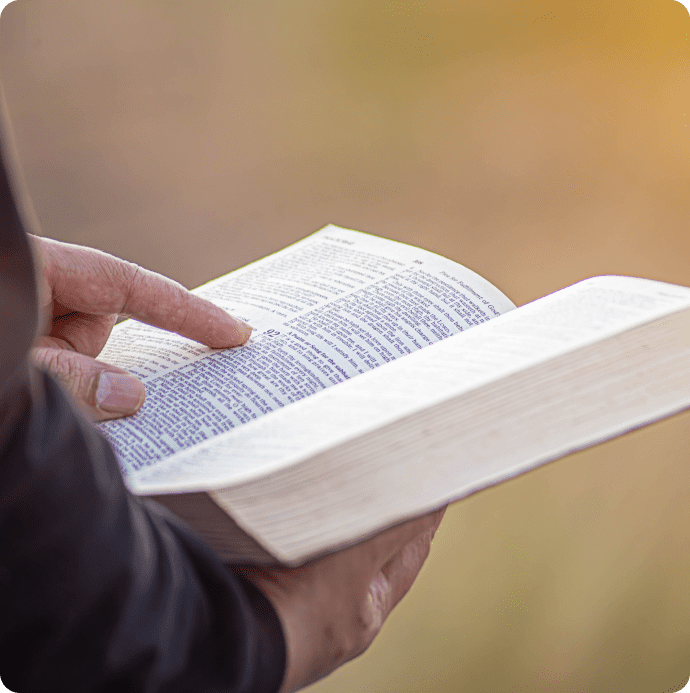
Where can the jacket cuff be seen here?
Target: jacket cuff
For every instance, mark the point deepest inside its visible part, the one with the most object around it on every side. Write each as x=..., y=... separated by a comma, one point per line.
x=271, y=658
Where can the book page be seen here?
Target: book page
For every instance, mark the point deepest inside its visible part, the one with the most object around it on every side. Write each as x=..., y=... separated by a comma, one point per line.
x=534, y=334
x=330, y=307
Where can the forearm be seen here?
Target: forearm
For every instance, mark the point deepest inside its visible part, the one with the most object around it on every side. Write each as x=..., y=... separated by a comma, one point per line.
x=99, y=586
x=98, y=589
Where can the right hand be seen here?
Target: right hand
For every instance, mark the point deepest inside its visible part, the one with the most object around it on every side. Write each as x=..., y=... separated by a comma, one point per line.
x=331, y=609
x=83, y=291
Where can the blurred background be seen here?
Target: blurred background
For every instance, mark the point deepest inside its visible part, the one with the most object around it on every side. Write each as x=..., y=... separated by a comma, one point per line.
x=538, y=143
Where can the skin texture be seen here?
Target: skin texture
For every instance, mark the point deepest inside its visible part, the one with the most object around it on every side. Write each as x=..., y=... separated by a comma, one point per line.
x=331, y=609
x=83, y=291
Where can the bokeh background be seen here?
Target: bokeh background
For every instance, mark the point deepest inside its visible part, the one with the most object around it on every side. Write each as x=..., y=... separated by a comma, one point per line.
x=538, y=143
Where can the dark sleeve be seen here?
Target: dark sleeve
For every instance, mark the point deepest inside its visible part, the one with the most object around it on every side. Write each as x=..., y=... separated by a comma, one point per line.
x=101, y=590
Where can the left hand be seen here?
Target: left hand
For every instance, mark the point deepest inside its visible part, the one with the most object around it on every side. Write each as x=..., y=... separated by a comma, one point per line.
x=83, y=291
x=332, y=608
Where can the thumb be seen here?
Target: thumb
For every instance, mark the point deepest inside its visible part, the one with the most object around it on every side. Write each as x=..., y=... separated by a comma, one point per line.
x=101, y=391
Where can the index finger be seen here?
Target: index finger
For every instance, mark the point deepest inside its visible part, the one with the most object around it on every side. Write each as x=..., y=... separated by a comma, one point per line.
x=92, y=281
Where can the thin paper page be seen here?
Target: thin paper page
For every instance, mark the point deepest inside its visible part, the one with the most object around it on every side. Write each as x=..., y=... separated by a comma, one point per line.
x=446, y=452
x=328, y=308
x=537, y=332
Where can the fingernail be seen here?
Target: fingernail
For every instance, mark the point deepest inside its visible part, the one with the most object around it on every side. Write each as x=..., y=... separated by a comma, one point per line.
x=244, y=329
x=244, y=324
x=119, y=393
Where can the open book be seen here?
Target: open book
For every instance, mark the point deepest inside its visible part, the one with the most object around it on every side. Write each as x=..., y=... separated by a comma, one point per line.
x=270, y=464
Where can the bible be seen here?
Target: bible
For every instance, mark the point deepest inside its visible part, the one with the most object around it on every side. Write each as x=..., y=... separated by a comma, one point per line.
x=380, y=382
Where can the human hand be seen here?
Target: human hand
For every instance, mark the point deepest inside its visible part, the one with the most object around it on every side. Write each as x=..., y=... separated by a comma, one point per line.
x=331, y=609
x=83, y=291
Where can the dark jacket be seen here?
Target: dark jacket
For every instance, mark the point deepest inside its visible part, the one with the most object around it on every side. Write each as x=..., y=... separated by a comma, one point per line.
x=100, y=590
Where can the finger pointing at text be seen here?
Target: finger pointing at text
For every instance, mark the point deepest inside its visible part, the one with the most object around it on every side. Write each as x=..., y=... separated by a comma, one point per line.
x=83, y=292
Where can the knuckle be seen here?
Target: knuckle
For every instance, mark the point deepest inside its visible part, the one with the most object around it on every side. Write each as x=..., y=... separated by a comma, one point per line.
x=366, y=627
x=130, y=276
x=348, y=637
x=40, y=356
x=338, y=644
x=61, y=364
